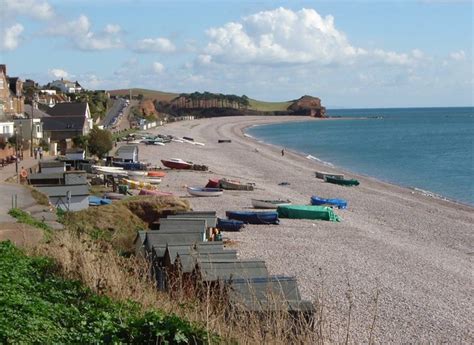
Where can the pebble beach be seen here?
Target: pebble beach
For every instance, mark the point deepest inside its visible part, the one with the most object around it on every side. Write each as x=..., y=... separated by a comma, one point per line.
x=399, y=257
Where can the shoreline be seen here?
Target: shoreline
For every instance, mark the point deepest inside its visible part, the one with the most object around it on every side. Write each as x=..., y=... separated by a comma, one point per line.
x=415, y=250
x=348, y=171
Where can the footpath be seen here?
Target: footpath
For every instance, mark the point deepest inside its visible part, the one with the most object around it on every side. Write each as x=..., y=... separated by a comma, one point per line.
x=12, y=193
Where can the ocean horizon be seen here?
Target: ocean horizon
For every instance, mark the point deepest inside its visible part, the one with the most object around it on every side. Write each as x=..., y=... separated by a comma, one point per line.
x=425, y=148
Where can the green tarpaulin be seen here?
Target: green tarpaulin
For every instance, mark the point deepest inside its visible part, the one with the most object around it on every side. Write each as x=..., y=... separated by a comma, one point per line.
x=307, y=212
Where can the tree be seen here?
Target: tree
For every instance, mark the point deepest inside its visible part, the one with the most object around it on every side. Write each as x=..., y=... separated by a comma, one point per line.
x=100, y=142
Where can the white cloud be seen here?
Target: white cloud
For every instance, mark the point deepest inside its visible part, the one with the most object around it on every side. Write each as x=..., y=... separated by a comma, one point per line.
x=58, y=73
x=158, y=67
x=79, y=31
x=155, y=45
x=458, y=56
x=31, y=8
x=11, y=37
x=281, y=36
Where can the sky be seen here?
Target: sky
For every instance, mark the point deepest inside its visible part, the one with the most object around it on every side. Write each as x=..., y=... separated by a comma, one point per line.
x=351, y=54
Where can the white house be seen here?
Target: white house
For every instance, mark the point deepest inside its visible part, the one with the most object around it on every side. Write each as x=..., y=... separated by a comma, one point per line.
x=7, y=129
x=66, y=86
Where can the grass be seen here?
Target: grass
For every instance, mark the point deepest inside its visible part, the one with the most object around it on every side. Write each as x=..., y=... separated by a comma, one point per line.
x=268, y=106
x=40, y=197
x=38, y=306
x=147, y=93
x=25, y=218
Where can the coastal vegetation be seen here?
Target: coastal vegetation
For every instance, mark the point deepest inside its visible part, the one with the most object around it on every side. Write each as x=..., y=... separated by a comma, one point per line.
x=98, y=102
x=38, y=306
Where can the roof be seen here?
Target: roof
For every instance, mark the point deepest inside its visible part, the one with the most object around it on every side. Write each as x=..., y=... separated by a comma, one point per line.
x=127, y=149
x=171, y=225
x=37, y=113
x=61, y=191
x=68, y=109
x=188, y=261
x=43, y=176
x=231, y=269
x=211, y=220
x=52, y=164
x=63, y=123
x=155, y=238
x=174, y=250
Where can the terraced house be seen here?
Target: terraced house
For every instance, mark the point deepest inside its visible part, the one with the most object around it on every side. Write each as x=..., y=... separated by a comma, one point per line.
x=11, y=101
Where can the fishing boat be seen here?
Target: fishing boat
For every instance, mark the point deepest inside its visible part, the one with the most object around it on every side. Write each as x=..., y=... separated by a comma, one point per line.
x=307, y=212
x=154, y=192
x=269, y=204
x=342, y=182
x=200, y=191
x=234, y=185
x=212, y=183
x=339, y=203
x=136, y=172
x=249, y=217
x=229, y=224
x=322, y=175
x=156, y=173
x=176, y=163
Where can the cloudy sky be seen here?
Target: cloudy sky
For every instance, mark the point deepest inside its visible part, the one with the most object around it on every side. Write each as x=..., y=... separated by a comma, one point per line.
x=350, y=53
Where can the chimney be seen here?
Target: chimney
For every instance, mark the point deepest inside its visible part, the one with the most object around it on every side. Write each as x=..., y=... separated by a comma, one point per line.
x=3, y=68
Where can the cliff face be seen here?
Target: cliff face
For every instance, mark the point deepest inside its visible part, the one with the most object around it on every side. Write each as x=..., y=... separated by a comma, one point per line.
x=147, y=108
x=308, y=105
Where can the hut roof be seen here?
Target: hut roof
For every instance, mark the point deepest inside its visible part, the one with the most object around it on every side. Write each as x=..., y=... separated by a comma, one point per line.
x=225, y=270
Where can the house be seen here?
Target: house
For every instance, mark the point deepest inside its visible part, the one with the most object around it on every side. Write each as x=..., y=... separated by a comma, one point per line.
x=50, y=98
x=66, y=86
x=127, y=153
x=66, y=121
x=11, y=95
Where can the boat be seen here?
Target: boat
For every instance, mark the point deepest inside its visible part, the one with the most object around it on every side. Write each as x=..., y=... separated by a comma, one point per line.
x=154, y=192
x=136, y=172
x=156, y=173
x=322, y=175
x=177, y=140
x=137, y=184
x=234, y=185
x=342, y=182
x=145, y=179
x=114, y=196
x=188, y=138
x=307, y=212
x=176, y=163
x=220, y=141
x=339, y=203
x=200, y=191
x=96, y=201
x=229, y=224
x=270, y=204
x=212, y=183
x=250, y=217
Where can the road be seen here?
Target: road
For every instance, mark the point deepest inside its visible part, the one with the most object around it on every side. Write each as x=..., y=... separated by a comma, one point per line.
x=114, y=113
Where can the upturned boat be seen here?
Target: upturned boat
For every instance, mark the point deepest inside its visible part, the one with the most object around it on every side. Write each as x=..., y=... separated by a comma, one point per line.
x=322, y=175
x=249, y=217
x=176, y=163
x=342, y=182
x=156, y=173
x=96, y=201
x=269, y=204
x=339, y=203
x=307, y=212
x=229, y=224
x=234, y=185
x=203, y=191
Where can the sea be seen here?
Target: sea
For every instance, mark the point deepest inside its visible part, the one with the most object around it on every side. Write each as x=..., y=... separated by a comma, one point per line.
x=428, y=149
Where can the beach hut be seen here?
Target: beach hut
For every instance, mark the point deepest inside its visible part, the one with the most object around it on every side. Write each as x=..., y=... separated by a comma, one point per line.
x=127, y=153
x=52, y=167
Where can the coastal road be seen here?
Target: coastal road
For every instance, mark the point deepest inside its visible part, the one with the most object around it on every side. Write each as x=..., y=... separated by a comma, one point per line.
x=398, y=257
x=114, y=113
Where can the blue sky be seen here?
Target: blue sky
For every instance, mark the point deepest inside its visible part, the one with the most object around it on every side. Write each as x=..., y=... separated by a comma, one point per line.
x=349, y=53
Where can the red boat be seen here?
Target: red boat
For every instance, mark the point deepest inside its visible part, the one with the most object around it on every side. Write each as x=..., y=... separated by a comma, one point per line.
x=213, y=183
x=176, y=163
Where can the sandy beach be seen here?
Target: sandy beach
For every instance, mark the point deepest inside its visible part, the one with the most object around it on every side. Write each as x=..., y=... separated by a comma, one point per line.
x=414, y=250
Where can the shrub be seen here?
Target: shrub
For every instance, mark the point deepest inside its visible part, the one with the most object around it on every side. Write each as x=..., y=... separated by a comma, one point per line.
x=100, y=142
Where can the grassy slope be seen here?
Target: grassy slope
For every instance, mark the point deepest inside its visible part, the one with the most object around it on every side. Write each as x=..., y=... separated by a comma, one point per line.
x=37, y=306
x=168, y=96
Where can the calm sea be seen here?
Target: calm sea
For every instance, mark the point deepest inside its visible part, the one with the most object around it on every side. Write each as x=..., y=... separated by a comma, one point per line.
x=426, y=148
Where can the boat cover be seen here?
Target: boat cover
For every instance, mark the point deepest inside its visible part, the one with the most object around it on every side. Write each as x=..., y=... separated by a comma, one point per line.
x=342, y=182
x=96, y=201
x=229, y=224
x=249, y=217
x=307, y=212
x=339, y=203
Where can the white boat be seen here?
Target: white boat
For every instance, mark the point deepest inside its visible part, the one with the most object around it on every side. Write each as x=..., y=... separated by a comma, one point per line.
x=203, y=191
x=270, y=204
x=322, y=175
x=177, y=140
x=198, y=143
x=137, y=172
x=108, y=170
x=145, y=179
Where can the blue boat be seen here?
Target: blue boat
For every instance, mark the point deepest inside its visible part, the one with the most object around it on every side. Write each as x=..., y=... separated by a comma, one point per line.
x=229, y=224
x=339, y=203
x=96, y=201
x=249, y=217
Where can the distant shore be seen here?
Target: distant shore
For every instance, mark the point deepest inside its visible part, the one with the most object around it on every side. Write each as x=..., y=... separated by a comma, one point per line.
x=414, y=249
